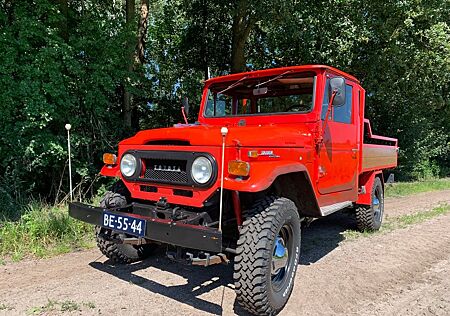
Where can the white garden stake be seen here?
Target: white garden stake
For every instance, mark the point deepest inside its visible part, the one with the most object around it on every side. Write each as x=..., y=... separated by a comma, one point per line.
x=224, y=132
x=68, y=127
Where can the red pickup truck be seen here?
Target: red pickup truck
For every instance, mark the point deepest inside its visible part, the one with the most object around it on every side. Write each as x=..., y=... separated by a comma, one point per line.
x=271, y=149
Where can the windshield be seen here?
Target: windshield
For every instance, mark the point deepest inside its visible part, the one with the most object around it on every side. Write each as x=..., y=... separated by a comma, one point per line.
x=285, y=93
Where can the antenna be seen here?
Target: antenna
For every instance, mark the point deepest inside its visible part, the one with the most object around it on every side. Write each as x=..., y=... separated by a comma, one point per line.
x=68, y=127
x=224, y=132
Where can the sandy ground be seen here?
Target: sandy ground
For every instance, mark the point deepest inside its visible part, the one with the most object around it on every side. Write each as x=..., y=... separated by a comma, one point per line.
x=404, y=272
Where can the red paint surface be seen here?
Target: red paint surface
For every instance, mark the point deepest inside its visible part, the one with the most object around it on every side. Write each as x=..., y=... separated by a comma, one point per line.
x=333, y=167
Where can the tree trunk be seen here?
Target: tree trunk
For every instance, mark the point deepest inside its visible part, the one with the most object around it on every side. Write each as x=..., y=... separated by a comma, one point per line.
x=62, y=25
x=142, y=31
x=8, y=7
x=243, y=23
x=140, y=57
x=204, y=48
x=127, y=110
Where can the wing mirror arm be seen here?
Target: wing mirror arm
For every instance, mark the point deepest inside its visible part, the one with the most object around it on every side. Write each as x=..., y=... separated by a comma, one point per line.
x=185, y=109
x=330, y=105
x=324, y=126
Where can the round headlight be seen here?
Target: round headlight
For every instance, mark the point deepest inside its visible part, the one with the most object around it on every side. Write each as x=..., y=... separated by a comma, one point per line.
x=201, y=170
x=128, y=165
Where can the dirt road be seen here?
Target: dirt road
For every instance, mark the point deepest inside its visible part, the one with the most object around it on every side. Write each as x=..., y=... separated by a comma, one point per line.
x=404, y=272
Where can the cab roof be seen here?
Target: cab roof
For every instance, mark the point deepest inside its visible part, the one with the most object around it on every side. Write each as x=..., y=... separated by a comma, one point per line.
x=278, y=71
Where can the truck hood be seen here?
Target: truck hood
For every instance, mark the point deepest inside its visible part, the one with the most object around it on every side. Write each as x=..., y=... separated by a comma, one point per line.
x=274, y=135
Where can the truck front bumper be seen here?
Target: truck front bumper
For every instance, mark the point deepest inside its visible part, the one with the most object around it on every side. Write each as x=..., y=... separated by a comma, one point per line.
x=165, y=231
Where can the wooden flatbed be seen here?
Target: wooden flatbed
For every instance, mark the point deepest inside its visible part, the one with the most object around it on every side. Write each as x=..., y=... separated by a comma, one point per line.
x=376, y=156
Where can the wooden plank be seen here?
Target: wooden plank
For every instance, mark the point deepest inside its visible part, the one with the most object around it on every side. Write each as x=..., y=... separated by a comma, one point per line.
x=378, y=157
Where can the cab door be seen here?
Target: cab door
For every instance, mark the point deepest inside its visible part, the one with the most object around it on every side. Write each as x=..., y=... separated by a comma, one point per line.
x=338, y=155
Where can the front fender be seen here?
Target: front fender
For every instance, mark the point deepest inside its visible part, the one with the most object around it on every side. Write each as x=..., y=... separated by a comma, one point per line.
x=110, y=171
x=262, y=175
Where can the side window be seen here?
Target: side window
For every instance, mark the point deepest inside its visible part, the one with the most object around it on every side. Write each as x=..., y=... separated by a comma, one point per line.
x=218, y=105
x=325, y=100
x=343, y=114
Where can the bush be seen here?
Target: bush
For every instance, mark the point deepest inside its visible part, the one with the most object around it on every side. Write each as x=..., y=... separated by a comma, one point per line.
x=42, y=231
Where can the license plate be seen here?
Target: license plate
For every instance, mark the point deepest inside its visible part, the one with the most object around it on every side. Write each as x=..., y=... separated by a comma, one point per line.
x=126, y=224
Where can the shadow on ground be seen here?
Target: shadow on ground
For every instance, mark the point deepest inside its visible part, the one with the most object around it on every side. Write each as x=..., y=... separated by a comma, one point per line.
x=320, y=238
x=199, y=280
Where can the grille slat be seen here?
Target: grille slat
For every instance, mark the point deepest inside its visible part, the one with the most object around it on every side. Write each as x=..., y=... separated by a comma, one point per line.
x=169, y=170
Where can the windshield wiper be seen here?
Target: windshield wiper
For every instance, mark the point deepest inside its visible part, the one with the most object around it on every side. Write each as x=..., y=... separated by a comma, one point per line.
x=233, y=85
x=273, y=79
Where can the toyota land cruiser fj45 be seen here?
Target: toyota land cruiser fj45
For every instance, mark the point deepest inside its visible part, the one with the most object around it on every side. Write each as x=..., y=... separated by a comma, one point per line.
x=271, y=148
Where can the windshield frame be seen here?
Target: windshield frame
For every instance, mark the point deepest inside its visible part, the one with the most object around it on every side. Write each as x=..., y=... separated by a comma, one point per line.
x=311, y=109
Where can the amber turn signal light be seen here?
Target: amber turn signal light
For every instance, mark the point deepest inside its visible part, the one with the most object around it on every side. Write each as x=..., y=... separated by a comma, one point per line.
x=109, y=159
x=238, y=168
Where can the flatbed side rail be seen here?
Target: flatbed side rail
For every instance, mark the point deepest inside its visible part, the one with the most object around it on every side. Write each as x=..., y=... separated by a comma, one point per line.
x=378, y=137
x=377, y=156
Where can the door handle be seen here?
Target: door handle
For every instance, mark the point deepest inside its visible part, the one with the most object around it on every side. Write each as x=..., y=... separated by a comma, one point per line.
x=354, y=152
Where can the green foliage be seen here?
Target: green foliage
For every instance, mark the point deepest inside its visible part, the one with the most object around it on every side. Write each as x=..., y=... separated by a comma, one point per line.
x=53, y=306
x=48, y=81
x=409, y=188
x=4, y=307
x=403, y=221
x=42, y=231
x=60, y=67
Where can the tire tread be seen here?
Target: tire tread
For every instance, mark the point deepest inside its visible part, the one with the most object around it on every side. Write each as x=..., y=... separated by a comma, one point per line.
x=251, y=261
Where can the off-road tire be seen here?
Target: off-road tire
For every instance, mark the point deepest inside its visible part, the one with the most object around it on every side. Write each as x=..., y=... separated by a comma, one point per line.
x=252, y=264
x=119, y=253
x=367, y=218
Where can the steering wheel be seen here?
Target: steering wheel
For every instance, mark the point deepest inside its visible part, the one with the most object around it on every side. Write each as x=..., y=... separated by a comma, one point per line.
x=292, y=107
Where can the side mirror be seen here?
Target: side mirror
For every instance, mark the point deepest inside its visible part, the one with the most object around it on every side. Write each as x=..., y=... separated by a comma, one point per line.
x=337, y=84
x=260, y=91
x=186, y=105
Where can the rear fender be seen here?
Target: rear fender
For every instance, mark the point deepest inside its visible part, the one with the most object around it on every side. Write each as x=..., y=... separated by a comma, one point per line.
x=366, y=181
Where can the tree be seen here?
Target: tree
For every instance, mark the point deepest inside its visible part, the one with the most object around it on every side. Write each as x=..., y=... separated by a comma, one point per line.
x=130, y=6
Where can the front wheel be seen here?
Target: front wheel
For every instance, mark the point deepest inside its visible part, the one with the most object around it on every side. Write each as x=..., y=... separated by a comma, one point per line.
x=268, y=250
x=119, y=253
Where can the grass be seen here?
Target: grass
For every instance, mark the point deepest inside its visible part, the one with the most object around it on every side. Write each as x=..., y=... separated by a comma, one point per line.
x=42, y=231
x=409, y=188
x=402, y=221
x=4, y=307
x=62, y=306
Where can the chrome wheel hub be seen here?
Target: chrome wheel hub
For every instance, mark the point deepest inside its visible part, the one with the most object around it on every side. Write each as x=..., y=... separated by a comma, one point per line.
x=280, y=257
x=377, y=211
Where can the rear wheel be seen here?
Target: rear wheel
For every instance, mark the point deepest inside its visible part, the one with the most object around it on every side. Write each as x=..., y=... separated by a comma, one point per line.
x=267, y=256
x=119, y=253
x=371, y=218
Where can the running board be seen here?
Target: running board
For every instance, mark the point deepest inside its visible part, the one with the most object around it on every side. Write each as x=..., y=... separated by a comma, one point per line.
x=330, y=209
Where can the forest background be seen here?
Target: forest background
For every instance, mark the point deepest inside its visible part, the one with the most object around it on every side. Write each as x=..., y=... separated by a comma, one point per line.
x=111, y=68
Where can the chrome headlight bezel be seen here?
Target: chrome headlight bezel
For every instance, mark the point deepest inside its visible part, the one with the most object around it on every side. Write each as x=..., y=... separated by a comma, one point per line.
x=200, y=165
x=128, y=165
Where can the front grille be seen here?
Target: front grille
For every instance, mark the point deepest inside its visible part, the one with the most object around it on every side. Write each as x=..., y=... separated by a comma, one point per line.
x=166, y=170
x=169, y=167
